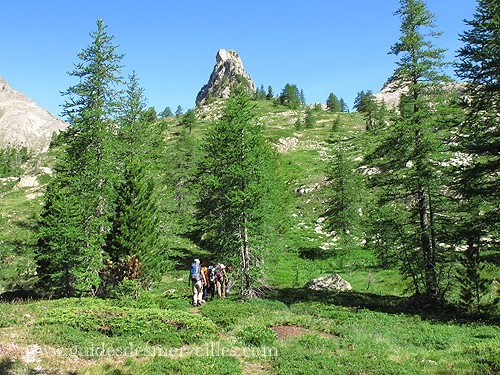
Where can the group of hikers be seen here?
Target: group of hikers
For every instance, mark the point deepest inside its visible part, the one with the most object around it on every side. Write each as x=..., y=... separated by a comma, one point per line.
x=206, y=280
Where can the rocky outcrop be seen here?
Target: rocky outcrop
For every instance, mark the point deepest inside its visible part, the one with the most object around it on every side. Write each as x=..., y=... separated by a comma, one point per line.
x=333, y=282
x=227, y=73
x=321, y=106
x=393, y=89
x=390, y=94
x=23, y=122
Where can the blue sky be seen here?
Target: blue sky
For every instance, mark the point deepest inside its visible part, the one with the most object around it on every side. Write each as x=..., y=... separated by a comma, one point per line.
x=321, y=46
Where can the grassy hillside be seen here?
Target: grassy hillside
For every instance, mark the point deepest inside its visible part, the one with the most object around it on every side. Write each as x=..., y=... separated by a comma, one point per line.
x=376, y=328
x=304, y=154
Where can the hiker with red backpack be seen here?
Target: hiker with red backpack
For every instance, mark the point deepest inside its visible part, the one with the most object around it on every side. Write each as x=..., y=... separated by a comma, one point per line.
x=197, y=278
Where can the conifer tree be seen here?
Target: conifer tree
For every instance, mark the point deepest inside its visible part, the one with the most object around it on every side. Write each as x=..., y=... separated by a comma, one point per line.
x=66, y=264
x=179, y=181
x=90, y=109
x=290, y=96
x=238, y=189
x=167, y=112
x=407, y=154
x=343, y=106
x=310, y=119
x=270, y=94
x=375, y=114
x=134, y=228
x=332, y=103
x=189, y=120
x=133, y=103
x=344, y=193
x=479, y=60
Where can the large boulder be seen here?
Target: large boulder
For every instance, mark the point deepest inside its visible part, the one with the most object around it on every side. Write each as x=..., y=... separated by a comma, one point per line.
x=23, y=122
x=228, y=72
x=333, y=282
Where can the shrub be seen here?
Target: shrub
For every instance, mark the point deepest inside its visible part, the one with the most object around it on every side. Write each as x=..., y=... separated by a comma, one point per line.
x=167, y=327
x=257, y=336
x=226, y=313
x=297, y=360
x=487, y=353
x=193, y=365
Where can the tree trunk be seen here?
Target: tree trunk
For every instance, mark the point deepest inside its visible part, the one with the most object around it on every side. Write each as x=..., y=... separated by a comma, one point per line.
x=429, y=262
x=245, y=259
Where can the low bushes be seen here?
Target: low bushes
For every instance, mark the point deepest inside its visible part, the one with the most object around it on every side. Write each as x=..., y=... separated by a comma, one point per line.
x=155, y=326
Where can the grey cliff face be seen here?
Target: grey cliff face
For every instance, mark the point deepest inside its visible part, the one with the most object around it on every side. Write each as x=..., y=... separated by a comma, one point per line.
x=23, y=122
x=228, y=71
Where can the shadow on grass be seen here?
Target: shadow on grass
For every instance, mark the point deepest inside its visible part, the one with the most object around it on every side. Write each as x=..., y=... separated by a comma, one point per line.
x=6, y=365
x=425, y=307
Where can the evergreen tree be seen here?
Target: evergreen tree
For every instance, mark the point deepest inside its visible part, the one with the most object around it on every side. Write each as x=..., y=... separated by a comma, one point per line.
x=238, y=187
x=270, y=94
x=189, y=120
x=180, y=179
x=333, y=103
x=179, y=110
x=343, y=106
x=65, y=264
x=310, y=119
x=131, y=122
x=149, y=115
x=366, y=104
x=134, y=228
x=298, y=123
x=167, y=112
x=344, y=193
x=133, y=104
x=407, y=156
x=478, y=180
x=87, y=164
x=262, y=93
x=290, y=96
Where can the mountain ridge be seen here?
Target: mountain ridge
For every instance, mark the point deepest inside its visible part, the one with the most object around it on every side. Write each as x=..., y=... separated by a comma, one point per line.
x=23, y=122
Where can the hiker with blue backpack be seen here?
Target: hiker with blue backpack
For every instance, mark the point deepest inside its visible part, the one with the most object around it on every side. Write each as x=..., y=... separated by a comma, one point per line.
x=197, y=278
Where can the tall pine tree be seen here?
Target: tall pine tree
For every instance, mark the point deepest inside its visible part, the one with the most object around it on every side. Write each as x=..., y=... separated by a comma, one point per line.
x=85, y=167
x=409, y=149
x=238, y=189
x=479, y=62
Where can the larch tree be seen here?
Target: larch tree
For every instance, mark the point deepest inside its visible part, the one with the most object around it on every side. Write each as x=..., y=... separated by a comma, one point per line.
x=344, y=193
x=65, y=266
x=238, y=189
x=332, y=103
x=479, y=62
x=85, y=167
x=189, y=120
x=408, y=152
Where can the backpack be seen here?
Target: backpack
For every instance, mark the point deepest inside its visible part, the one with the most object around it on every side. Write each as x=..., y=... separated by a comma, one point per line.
x=211, y=274
x=218, y=272
x=195, y=271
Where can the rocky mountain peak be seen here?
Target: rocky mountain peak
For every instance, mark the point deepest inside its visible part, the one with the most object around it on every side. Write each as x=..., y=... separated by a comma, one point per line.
x=23, y=122
x=227, y=73
x=4, y=85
